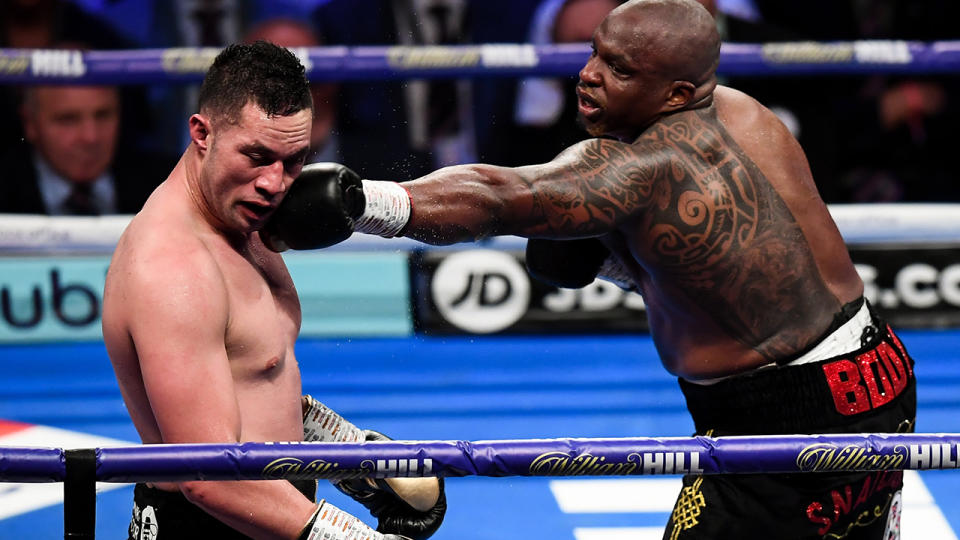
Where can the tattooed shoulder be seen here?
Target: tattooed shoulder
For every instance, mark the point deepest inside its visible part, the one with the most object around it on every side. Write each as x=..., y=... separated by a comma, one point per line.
x=598, y=184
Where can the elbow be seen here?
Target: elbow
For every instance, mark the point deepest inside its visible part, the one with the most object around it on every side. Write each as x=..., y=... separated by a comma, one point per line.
x=198, y=492
x=494, y=194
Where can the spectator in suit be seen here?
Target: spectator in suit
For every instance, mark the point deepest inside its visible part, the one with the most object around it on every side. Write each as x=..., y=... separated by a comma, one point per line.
x=52, y=24
x=69, y=163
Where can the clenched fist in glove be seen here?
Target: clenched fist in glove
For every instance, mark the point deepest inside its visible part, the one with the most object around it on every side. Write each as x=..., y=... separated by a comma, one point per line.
x=328, y=202
x=411, y=507
x=388, y=502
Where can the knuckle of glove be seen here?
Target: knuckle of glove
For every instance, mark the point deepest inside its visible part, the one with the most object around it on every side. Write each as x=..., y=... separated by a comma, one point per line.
x=313, y=213
x=351, y=186
x=371, y=435
x=359, y=490
x=394, y=515
x=397, y=517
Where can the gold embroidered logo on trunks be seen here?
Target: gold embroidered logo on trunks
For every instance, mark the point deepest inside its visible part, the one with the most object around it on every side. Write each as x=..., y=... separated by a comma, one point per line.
x=686, y=514
x=866, y=518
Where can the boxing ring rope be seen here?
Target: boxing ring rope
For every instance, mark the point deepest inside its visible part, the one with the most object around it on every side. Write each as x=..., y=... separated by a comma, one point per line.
x=79, y=470
x=188, y=65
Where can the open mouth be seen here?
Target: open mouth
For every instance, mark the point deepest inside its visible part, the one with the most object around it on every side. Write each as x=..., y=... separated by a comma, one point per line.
x=588, y=107
x=257, y=211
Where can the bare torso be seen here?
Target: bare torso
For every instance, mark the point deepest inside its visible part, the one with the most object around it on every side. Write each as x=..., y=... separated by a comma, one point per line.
x=714, y=211
x=735, y=252
x=260, y=321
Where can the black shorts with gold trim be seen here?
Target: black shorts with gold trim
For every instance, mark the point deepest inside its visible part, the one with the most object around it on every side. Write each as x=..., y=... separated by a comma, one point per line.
x=870, y=390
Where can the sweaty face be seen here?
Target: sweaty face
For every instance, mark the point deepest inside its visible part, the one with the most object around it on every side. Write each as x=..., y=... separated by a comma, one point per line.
x=619, y=93
x=74, y=128
x=251, y=164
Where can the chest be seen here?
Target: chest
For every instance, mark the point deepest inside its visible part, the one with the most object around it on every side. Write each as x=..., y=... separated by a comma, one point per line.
x=263, y=316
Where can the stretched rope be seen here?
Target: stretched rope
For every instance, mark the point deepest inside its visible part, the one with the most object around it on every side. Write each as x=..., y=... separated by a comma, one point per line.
x=530, y=457
x=188, y=65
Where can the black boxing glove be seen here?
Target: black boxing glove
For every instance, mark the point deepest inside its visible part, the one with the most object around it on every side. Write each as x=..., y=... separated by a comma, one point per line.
x=328, y=202
x=572, y=264
x=394, y=515
x=318, y=210
x=569, y=264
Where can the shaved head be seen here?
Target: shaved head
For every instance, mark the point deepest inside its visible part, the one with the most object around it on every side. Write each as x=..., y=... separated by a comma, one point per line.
x=650, y=58
x=677, y=39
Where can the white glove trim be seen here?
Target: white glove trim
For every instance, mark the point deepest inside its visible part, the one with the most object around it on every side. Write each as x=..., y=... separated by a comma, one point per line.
x=321, y=424
x=332, y=523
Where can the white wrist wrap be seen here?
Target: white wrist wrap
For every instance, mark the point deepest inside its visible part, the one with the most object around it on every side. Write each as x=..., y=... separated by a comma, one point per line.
x=387, y=210
x=332, y=523
x=320, y=424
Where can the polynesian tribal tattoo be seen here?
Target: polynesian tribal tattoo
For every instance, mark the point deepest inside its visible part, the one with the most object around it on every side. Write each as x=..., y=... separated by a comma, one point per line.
x=710, y=222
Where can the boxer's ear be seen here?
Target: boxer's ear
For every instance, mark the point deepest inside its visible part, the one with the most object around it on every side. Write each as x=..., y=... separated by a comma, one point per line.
x=200, y=129
x=679, y=95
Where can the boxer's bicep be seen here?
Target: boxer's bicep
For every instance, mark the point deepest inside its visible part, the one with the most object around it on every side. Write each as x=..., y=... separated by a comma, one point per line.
x=590, y=189
x=178, y=324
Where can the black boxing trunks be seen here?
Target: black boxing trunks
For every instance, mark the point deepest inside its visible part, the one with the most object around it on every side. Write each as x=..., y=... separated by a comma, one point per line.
x=168, y=515
x=870, y=389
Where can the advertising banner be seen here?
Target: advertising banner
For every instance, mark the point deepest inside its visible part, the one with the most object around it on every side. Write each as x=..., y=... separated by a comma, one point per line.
x=479, y=291
x=60, y=298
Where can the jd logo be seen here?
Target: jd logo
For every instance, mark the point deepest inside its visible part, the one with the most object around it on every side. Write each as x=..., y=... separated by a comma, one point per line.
x=72, y=304
x=480, y=291
x=489, y=289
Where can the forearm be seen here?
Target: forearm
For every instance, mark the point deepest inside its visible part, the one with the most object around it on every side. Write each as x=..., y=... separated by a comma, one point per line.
x=261, y=509
x=329, y=202
x=466, y=203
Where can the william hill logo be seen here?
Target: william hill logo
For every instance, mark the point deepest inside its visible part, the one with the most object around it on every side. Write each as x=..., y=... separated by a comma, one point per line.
x=57, y=62
x=831, y=457
x=822, y=457
x=562, y=464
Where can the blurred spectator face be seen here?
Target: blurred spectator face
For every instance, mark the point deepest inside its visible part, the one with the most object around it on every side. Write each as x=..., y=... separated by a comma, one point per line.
x=290, y=33
x=73, y=127
x=579, y=18
x=283, y=32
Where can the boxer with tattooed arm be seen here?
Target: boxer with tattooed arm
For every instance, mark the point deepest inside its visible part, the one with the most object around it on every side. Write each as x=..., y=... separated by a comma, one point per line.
x=696, y=196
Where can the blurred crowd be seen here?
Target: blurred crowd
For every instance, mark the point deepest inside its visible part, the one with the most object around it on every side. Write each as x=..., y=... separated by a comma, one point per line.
x=83, y=150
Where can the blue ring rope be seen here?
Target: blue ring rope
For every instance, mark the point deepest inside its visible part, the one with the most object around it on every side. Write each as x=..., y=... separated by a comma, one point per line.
x=188, y=65
x=524, y=457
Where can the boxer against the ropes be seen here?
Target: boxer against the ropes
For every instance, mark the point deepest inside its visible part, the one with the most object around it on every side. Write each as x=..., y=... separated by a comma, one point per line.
x=696, y=196
x=200, y=321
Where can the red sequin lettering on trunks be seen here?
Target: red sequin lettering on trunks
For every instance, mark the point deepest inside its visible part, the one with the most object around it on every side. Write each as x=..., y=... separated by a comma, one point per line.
x=903, y=352
x=881, y=391
x=849, y=396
